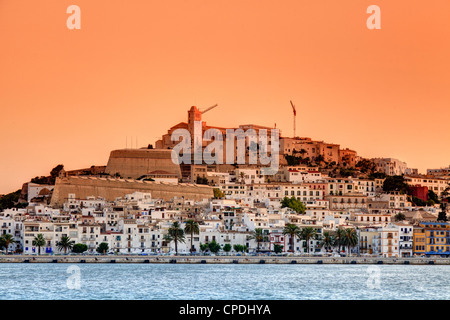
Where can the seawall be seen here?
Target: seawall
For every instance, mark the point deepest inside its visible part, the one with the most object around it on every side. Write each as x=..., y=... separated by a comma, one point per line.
x=222, y=260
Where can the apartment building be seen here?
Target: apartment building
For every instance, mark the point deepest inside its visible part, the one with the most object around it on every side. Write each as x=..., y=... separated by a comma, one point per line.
x=406, y=239
x=390, y=166
x=432, y=183
x=388, y=241
x=367, y=241
x=437, y=238
x=396, y=200
x=419, y=240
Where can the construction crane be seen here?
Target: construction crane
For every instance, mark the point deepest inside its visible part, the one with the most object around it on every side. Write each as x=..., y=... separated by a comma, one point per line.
x=295, y=115
x=207, y=109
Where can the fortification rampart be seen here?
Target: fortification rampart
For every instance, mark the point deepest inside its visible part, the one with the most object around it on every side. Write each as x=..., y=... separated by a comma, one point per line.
x=111, y=188
x=133, y=163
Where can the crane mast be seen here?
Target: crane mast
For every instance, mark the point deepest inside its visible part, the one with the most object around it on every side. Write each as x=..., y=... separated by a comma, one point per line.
x=295, y=115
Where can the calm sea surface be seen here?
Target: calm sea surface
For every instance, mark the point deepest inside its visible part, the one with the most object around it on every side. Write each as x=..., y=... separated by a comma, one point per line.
x=223, y=282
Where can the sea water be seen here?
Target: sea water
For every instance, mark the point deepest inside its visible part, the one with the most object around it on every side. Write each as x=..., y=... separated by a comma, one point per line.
x=222, y=282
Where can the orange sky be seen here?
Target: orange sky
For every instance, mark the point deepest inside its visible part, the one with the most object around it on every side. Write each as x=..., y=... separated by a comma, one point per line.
x=136, y=66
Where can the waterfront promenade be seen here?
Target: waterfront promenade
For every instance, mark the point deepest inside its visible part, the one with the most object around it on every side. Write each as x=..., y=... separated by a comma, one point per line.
x=221, y=259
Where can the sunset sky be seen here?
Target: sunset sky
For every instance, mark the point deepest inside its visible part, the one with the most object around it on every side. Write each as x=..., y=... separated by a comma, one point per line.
x=135, y=67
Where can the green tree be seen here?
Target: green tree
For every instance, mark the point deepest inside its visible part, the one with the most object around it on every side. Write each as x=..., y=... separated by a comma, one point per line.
x=227, y=248
x=293, y=231
x=395, y=183
x=347, y=172
x=201, y=180
x=11, y=200
x=39, y=241
x=218, y=193
x=418, y=202
x=5, y=241
x=442, y=216
x=259, y=236
x=433, y=196
x=277, y=248
x=319, y=159
x=191, y=227
x=203, y=247
x=307, y=234
x=400, y=216
x=377, y=175
x=294, y=204
x=366, y=166
x=214, y=247
x=239, y=248
x=292, y=160
x=79, y=248
x=55, y=173
x=176, y=234
x=65, y=243
x=102, y=248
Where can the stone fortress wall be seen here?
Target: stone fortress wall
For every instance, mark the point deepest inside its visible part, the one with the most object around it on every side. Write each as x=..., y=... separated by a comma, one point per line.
x=112, y=188
x=134, y=163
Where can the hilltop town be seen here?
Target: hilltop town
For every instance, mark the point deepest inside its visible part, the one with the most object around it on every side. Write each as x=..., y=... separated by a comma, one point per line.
x=323, y=199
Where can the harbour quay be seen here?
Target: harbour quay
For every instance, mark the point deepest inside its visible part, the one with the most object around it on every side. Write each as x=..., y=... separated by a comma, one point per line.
x=223, y=260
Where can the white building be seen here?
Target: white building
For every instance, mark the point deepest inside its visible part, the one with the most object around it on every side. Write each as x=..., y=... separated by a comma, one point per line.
x=388, y=241
x=405, y=231
x=38, y=190
x=390, y=166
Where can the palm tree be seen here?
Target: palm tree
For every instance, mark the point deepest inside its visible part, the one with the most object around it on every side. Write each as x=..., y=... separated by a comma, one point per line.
x=292, y=230
x=191, y=227
x=259, y=236
x=39, y=241
x=65, y=244
x=176, y=234
x=339, y=238
x=307, y=234
x=350, y=238
x=327, y=240
x=6, y=240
